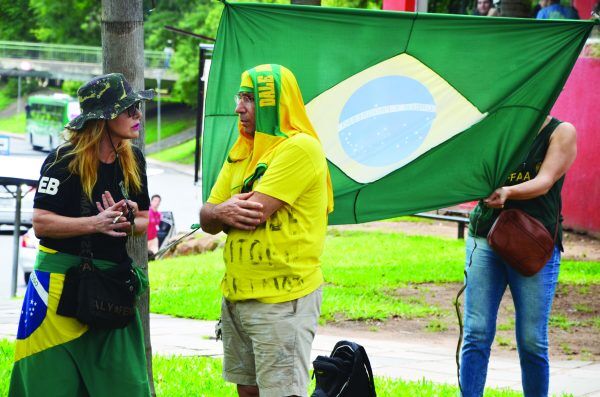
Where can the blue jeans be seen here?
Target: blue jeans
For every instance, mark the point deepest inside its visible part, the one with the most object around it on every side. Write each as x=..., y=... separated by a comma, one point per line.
x=487, y=278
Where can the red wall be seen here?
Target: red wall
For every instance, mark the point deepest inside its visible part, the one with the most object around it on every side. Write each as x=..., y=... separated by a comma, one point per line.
x=399, y=5
x=579, y=103
x=584, y=7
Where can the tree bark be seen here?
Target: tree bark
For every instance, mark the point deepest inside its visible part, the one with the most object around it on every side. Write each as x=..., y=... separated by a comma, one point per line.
x=306, y=2
x=123, y=52
x=515, y=8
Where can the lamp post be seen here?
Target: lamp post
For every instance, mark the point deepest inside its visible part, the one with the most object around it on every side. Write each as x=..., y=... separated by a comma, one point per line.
x=168, y=53
x=158, y=78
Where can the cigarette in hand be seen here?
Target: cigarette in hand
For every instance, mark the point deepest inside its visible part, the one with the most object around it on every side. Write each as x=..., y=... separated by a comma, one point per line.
x=117, y=217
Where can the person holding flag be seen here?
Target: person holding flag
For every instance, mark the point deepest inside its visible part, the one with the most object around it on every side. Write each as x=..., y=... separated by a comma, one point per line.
x=535, y=188
x=272, y=198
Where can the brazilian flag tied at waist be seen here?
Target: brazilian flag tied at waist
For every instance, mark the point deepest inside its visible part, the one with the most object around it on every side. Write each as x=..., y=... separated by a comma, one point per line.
x=414, y=111
x=57, y=355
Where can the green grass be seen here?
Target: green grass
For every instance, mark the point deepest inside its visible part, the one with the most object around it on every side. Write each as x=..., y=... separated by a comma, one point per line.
x=507, y=326
x=170, y=124
x=176, y=376
x=502, y=341
x=15, y=123
x=183, y=153
x=562, y=322
x=5, y=100
x=596, y=322
x=7, y=354
x=414, y=219
x=583, y=308
x=436, y=326
x=363, y=271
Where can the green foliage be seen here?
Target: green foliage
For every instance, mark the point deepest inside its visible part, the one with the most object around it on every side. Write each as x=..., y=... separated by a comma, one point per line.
x=67, y=21
x=369, y=4
x=70, y=87
x=5, y=99
x=16, y=24
x=28, y=85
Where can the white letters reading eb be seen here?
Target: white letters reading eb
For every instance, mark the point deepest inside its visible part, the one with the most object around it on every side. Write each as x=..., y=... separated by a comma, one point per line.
x=48, y=185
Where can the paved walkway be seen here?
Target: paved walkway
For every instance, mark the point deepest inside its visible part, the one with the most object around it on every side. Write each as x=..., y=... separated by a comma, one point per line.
x=396, y=359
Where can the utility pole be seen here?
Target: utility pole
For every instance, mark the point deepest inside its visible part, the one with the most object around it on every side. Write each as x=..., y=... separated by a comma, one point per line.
x=123, y=52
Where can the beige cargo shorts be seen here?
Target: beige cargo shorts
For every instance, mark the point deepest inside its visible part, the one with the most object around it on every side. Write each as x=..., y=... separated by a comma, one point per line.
x=268, y=344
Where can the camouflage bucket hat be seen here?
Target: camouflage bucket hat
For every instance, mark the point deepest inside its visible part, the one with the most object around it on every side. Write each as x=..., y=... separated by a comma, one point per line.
x=105, y=97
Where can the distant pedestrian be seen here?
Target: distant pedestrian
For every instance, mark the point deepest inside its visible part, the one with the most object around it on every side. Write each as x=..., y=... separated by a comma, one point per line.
x=483, y=7
x=168, y=52
x=154, y=218
x=555, y=10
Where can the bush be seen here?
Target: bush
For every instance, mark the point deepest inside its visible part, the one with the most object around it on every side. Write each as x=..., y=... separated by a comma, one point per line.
x=70, y=87
x=28, y=85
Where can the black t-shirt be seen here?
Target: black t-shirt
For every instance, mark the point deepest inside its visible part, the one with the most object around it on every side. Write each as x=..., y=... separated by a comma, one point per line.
x=60, y=192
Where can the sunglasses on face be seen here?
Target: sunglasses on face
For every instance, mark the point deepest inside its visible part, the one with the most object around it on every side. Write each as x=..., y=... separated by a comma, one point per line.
x=134, y=109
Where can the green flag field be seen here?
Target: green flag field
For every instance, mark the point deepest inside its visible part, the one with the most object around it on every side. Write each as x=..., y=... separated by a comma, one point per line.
x=414, y=111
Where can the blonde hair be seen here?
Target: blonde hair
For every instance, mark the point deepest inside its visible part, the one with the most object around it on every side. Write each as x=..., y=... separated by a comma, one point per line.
x=85, y=153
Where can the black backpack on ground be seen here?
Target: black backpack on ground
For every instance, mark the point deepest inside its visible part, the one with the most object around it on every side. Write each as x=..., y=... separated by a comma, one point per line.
x=346, y=373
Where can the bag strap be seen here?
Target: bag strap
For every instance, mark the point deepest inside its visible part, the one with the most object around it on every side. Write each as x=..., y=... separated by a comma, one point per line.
x=367, y=365
x=85, y=251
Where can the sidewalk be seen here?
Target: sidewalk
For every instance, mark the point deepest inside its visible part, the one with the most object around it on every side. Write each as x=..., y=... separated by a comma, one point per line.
x=395, y=359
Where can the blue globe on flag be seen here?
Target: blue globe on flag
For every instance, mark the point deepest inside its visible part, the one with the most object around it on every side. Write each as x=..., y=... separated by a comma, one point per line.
x=386, y=120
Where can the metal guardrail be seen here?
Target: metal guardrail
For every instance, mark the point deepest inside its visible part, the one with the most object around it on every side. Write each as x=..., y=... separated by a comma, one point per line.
x=67, y=53
x=460, y=221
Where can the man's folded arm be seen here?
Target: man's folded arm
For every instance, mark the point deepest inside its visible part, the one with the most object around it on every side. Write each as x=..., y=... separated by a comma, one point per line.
x=238, y=212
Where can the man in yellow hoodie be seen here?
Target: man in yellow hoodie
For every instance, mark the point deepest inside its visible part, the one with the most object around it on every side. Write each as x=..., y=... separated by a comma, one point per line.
x=272, y=198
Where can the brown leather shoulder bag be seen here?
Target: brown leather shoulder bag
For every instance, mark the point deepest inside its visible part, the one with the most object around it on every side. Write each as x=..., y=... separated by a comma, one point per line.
x=521, y=241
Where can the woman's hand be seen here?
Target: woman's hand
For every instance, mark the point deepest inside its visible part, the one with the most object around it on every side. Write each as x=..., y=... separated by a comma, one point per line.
x=111, y=221
x=112, y=217
x=497, y=199
x=108, y=201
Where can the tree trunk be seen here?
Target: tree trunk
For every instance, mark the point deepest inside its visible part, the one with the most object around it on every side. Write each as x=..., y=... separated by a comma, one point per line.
x=306, y=2
x=515, y=8
x=123, y=52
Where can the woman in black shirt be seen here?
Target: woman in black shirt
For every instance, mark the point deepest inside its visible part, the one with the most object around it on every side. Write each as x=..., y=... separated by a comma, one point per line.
x=91, y=195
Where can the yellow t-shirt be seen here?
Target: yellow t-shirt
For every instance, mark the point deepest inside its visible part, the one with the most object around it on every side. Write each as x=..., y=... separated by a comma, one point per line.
x=279, y=261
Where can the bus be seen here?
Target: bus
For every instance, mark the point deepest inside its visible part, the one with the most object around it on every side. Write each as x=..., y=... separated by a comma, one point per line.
x=46, y=116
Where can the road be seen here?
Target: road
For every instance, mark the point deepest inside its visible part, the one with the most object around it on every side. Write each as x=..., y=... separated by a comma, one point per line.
x=174, y=185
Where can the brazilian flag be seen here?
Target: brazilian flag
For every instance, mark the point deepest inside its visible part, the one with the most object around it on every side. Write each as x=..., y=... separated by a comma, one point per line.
x=415, y=111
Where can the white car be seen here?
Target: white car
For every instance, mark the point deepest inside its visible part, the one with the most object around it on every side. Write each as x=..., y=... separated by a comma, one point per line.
x=8, y=202
x=28, y=252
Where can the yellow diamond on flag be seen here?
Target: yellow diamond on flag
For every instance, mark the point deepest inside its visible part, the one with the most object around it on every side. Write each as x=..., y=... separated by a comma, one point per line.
x=382, y=118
